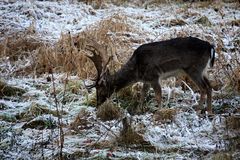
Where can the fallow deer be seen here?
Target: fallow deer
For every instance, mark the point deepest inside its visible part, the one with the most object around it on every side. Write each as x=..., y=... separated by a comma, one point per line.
x=155, y=61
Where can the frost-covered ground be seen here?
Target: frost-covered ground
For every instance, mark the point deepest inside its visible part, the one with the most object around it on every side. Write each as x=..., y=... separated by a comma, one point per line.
x=187, y=136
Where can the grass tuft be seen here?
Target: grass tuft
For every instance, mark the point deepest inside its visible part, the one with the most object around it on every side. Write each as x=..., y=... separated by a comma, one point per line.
x=165, y=115
x=109, y=111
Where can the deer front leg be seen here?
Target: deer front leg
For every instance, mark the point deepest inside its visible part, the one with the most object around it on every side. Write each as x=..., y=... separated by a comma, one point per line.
x=209, y=102
x=206, y=91
x=204, y=87
x=144, y=90
x=202, y=97
x=158, y=91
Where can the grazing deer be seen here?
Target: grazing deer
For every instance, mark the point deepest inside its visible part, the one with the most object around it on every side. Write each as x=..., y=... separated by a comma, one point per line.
x=155, y=61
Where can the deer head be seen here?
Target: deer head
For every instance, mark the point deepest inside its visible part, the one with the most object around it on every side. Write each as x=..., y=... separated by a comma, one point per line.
x=103, y=79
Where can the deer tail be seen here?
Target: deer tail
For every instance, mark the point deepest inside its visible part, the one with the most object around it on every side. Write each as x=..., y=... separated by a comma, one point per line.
x=212, y=56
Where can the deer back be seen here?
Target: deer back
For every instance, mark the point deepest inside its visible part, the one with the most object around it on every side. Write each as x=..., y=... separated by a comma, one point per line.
x=167, y=58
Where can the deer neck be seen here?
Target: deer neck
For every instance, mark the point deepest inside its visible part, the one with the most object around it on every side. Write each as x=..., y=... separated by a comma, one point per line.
x=124, y=77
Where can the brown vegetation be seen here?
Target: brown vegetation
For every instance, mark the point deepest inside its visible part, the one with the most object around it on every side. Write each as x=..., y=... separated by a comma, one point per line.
x=118, y=37
x=7, y=90
x=34, y=110
x=128, y=136
x=40, y=124
x=233, y=122
x=109, y=111
x=20, y=44
x=130, y=98
x=222, y=156
x=81, y=121
x=64, y=57
x=165, y=115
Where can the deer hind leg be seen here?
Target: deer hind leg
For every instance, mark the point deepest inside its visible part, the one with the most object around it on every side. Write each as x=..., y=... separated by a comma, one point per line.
x=209, y=94
x=158, y=91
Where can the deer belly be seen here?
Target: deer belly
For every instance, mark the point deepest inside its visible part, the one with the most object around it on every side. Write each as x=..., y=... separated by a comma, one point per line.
x=168, y=74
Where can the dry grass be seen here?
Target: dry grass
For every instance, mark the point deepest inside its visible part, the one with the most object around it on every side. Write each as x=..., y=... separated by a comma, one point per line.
x=130, y=99
x=81, y=121
x=40, y=124
x=103, y=144
x=96, y=4
x=235, y=81
x=128, y=136
x=19, y=44
x=109, y=111
x=72, y=61
x=36, y=109
x=222, y=156
x=114, y=34
x=91, y=100
x=227, y=72
x=7, y=90
x=68, y=55
x=64, y=56
x=204, y=21
x=131, y=139
x=233, y=122
x=165, y=115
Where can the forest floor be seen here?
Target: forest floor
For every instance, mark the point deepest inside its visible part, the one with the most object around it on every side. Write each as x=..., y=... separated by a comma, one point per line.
x=44, y=102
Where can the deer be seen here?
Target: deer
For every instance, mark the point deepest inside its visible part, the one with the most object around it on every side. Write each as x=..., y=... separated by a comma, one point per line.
x=152, y=62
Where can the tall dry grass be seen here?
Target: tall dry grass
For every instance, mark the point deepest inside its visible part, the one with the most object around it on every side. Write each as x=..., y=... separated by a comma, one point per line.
x=115, y=35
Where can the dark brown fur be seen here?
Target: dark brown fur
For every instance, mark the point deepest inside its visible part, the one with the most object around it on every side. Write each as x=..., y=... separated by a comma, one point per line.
x=158, y=60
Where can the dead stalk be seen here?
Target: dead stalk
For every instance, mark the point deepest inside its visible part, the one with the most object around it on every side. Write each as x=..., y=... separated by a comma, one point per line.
x=61, y=134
